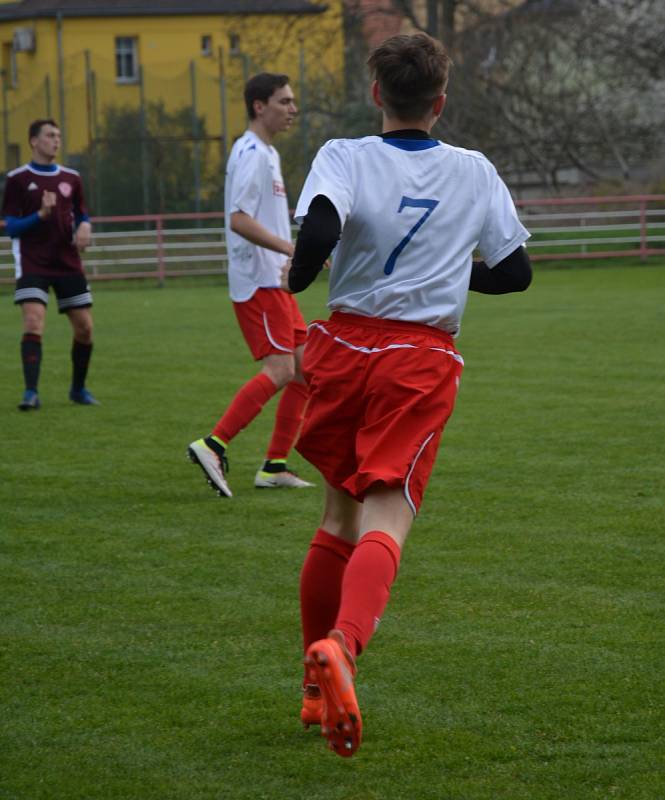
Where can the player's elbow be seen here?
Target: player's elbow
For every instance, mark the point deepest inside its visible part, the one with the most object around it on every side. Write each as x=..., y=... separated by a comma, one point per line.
x=237, y=222
x=523, y=281
x=518, y=270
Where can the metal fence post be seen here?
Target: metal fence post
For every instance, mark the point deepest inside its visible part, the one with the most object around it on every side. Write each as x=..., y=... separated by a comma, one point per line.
x=144, y=135
x=95, y=143
x=196, y=143
x=5, y=119
x=643, y=230
x=303, y=110
x=161, y=266
x=222, y=103
x=245, y=68
x=61, y=87
x=47, y=92
x=92, y=176
x=88, y=94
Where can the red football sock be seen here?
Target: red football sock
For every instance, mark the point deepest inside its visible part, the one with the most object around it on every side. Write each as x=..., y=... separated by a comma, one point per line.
x=366, y=588
x=246, y=405
x=321, y=584
x=287, y=420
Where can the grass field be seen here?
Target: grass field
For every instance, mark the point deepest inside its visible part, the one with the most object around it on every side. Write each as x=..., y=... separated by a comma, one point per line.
x=150, y=644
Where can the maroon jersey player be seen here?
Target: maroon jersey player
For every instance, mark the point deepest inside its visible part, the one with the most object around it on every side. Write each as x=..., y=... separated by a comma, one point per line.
x=46, y=218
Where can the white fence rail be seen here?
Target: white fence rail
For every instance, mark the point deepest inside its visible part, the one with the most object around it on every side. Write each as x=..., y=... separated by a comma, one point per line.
x=171, y=245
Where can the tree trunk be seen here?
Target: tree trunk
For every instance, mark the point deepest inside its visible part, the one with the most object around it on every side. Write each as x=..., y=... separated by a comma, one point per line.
x=447, y=27
x=433, y=18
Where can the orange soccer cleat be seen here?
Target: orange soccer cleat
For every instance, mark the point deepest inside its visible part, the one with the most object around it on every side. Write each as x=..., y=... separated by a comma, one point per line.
x=332, y=668
x=312, y=706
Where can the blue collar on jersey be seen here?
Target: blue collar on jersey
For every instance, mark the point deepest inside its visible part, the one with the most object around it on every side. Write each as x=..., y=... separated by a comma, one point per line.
x=43, y=167
x=409, y=139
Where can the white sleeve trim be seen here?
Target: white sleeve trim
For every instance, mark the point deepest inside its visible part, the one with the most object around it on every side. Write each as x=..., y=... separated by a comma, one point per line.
x=507, y=249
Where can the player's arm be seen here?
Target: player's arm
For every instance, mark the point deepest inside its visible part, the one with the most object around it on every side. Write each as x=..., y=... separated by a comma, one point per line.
x=318, y=235
x=252, y=230
x=16, y=225
x=82, y=226
x=83, y=235
x=512, y=274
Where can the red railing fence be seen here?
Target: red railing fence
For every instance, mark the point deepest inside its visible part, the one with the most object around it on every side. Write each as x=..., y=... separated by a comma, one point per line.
x=162, y=246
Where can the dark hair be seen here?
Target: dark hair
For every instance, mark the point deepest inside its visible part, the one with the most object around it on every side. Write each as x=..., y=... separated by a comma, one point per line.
x=412, y=70
x=262, y=87
x=36, y=127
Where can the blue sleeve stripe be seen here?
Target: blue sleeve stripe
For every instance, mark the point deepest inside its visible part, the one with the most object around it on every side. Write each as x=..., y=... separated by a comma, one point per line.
x=17, y=226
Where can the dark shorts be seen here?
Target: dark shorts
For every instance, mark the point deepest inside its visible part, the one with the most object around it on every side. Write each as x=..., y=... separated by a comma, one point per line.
x=72, y=291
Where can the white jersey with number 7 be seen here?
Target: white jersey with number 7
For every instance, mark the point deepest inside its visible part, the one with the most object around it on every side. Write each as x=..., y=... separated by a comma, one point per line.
x=412, y=211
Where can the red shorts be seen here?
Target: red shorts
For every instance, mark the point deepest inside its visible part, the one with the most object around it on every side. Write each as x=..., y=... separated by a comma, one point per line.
x=381, y=392
x=271, y=323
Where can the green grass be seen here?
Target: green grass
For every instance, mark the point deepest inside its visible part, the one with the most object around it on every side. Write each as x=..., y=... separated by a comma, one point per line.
x=150, y=644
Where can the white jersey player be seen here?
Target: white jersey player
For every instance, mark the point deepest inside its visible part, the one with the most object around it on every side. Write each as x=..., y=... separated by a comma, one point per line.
x=258, y=238
x=403, y=213
x=255, y=187
x=412, y=212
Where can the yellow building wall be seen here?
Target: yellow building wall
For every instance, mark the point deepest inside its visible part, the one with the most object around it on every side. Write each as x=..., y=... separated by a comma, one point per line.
x=167, y=47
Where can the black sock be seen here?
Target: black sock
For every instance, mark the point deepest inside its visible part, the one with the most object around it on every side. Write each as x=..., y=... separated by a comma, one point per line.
x=215, y=446
x=274, y=465
x=80, y=360
x=31, y=356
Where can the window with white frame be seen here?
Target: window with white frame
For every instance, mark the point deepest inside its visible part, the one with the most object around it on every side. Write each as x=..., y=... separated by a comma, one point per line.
x=126, y=59
x=206, y=45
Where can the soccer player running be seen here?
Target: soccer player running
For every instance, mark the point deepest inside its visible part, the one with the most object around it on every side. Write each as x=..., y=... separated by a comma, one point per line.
x=258, y=239
x=45, y=215
x=405, y=213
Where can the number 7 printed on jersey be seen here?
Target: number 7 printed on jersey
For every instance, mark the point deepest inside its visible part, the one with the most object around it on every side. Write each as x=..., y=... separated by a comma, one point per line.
x=409, y=202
